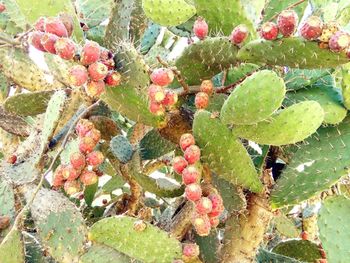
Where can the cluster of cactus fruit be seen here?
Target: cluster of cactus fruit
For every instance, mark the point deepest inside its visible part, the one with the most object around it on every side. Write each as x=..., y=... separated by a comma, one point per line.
x=174, y=131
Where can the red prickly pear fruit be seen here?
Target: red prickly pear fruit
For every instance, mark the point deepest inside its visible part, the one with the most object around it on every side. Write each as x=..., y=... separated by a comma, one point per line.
x=105, y=54
x=190, y=175
x=78, y=75
x=68, y=22
x=179, y=164
x=72, y=187
x=109, y=63
x=217, y=205
x=202, y=225
x=55, y=26
x=58, y=179
x=65, y=48
x=95, y=88
x=287, y=22
x=86, y=145
x=339, y=41
x=239, y=34
x=193, y=192
x=113, y=79
x=204, y=206
x=94, y=134
x=48, y=41
x=214, y=221
x=156, y=109
x=162, y=76
x=83, y=127
x=2, y=7
x=201, y=100
x=200, y=28
x=91, y=53
x=269, y=31
x=190, y=251
x=35, y=40
x=88, y=177
x=77, y=160
x=186, y=140
x=95, y=158
x=97, y=71
x=304, y=235
x=12, y=159
x=207, y=86
x=156, y=93
x=39, y=24
x=312, y=28
x=192, y=154
x=170, y=98
x=69, y=173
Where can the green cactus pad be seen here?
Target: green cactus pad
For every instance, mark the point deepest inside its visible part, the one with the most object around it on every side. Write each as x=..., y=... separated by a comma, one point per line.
x=7, y=200
x=265, y=256
x=150, y=37
x=14, y=124
x=28, y=104
x=12, y=21
x=255, y=99
x=300, y=78
x=204, y=59
x=168, y=13
x=302, y=250
x=208, y=247
x=240, y=72
x=121, y=148
x=216, y=102
x=223, y=16
x=93, y=12
x=273, y=8
x=224, y=153
x=287, y=126
x=286, y=226
x=59, y=68
x=319, y=171
x=118, y=233
x=292, y=52
x=345, y=84
x=334, y=228
x=104, y=254
x=153, y=146
x=12, y=249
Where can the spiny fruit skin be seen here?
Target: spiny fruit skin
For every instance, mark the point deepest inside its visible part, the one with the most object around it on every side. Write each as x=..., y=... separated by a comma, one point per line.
x=214, y=221
x=202, y=225
x=201, y=100
x=83, y=127
x=95, y=158
x=207, y=86
x=86, y=145
x=72, y=187
x=156, y=93
x=269, y=31
x=339, y=41
x=162, y=76
x=69, y=173
x=78, y=75
x=39, y=24
x=12, y=159
x=95, y=88
x=217, y=205
x=35, y=40
x=97, y=71
x=48, y=41
x=65, y=48
x=113, y=79
x=239, y=34
x=312, y=28
x=88, y=177
x=94, y=134
x=186, y=140
x=190, y=175
x=170, y=99
x=90, y=53
x=328, y=31
x=204, y=206
x=287, y=22
x=190, y=250
x=68, y=22
x=156, y=108
x=77, y=160
x=200, y=28
x=179, y=164
x=192, y=154
x=193, y=192
x=55, y=26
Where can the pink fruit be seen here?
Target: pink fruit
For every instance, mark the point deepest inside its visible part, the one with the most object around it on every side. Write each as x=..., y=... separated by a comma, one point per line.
x=68, y=22
x=97, y=71
x=113, y=79
x=58, y=179
x=186, y=140
x=239, y=34
x=94, y=134
x=200, y=28
x=214, y=221
x=207, y=86
x=190, y=175
x=287, y=22
x=202, y=225
x=312, y=28
x=12, y=159
x=204, y=206
x=109, y=63
x=55, y=26
x=69, y=173
x=2, y=7
x=156, y=93
x=304, y=235
x=162, y=76
x=95, y=88
x=48, y=41
x=179, y=164
x=72, y=187
x=83, y=127
x=216, y=201
x=86, y=145
x=193, y=192
x=39, y=24
x=201, y=100
x=35, y=40
x=78, y=75
x=95, y=158
x=192, y=154
x=65, y=48
x=77, y=160
x=190, y=251
x=269, y=31
x=91, y=53
x=156, y=109
x=339, y=41
x=88, y=177
x=170, y=98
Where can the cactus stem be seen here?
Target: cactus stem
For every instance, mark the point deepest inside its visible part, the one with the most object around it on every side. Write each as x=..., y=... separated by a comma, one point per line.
x=182, y=221
x=135, y=189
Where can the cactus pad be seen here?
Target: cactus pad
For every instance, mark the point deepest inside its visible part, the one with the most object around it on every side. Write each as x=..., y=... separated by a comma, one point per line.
x=287, y=126
x=267, y=256
x=153, y=145
x=302, y=250
x=104, y=254
x=345, y=84
x=7, y=200
x=93, y=12
x=255, y=99
x=300, y=78
x=12, y=249
x=224, y=153
x=119, y=233
x=286, y=226
x=121, y=148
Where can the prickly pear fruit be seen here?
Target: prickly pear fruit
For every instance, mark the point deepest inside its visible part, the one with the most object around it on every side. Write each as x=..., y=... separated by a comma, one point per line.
x=91, y=53
x=12, y=159
x=77, y=160
x=67, y=21
x=156, y=108
x=339, y=41
x=58, y=179
x=217, y=205
x=214, y=221
x=156, y=93
x=207, y=86
x=94, y=134
x=193, y=192
x=2, y=7
x=95, y=88
x=312, y=28
x=5, y=222
x=287, y=22
x=97, y=71
x=200, y=28
x=39, y=24
x=204, y=206
x=35, y=40
x=65, y=48
x=269, y=31
x=55, y=26
x=190, y=251
x=69, y=173
x=78, y=75
x=72, y=187
x=179, y=164
x=83, y=127
x=328, y=31
x=201, y=100
x=239, y=34
x=170, y=98
x=186, y=140
x=95, y=158
x=88, y=177
x=162, y=76
x=192, y=154
x=190, y=175
x=86, y=145
x=201, y=224
x=48, y=41
x=113, y=79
